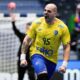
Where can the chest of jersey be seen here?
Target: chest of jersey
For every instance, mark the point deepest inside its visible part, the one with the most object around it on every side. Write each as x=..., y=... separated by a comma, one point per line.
x=48, y=37
x=49, y=31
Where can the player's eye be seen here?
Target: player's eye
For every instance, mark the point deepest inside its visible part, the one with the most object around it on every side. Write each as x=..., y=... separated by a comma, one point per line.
x=47, y=11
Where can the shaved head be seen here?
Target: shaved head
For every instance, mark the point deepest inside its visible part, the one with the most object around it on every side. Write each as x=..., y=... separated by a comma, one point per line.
x=50, y=12
x=51, y=6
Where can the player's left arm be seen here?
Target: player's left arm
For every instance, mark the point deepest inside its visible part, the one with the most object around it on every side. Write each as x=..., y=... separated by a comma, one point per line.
x=66, y=54
x=66, y=48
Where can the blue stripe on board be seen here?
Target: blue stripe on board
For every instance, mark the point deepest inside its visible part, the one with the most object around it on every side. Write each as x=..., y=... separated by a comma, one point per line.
x=72, y=64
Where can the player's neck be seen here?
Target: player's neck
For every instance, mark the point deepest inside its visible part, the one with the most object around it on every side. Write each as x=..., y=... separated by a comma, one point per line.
x=52, y=21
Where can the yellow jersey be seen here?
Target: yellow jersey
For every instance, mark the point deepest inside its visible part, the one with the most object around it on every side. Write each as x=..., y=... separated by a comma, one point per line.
x=47, y=38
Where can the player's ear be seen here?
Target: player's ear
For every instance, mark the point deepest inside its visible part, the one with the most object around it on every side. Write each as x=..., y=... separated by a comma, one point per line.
x=55, y=12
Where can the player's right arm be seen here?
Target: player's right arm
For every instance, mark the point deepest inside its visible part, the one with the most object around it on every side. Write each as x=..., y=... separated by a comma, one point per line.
x=25, y=45
x=30, y=37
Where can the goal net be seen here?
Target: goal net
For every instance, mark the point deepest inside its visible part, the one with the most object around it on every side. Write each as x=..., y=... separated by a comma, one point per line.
x=9, y=44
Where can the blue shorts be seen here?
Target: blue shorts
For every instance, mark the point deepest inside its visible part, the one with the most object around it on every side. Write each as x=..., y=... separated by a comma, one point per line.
x=42, y=65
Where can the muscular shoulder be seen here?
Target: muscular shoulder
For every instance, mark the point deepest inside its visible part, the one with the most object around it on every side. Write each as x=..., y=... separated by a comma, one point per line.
x=36, y=23
x=61, y=23
x=39, y=20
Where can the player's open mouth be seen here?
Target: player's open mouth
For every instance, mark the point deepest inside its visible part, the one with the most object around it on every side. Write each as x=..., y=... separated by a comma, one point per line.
x=46, y=17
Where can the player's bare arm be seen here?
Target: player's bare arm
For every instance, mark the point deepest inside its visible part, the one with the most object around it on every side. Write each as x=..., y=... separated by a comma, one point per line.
x=25, y=45
x=66, y=56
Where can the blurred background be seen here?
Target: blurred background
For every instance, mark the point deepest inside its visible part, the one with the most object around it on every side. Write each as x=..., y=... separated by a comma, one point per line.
x=27, y=11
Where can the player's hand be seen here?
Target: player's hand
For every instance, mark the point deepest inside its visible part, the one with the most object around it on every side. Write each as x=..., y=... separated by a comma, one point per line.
x=23, y=63
x=62, y=69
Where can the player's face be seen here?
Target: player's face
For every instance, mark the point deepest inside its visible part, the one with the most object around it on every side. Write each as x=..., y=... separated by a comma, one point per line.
x=49, y=13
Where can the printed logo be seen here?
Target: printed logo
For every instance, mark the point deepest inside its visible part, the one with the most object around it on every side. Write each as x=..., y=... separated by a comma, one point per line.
x=61, y=26
x=55, y=32
x=39, y=29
